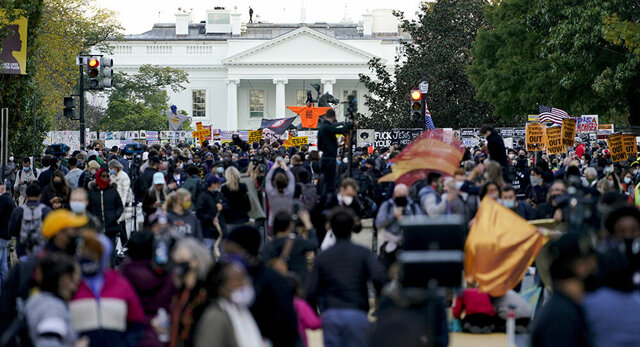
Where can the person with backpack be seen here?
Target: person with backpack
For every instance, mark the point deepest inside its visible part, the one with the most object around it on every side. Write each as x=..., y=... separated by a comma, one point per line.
x=280, y=186
x=26, y=222
x=24, y=177
x=208, y=211
x=105, y=203
x=308, y=191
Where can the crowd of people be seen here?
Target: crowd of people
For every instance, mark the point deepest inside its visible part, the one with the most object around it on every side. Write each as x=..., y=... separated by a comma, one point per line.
x=241, y=244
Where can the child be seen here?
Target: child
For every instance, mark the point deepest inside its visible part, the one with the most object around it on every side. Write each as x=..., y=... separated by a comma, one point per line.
x=307, y=317
x=479, y=313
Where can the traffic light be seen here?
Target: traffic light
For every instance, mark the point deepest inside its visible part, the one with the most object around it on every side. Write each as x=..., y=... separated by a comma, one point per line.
x=93, y=72
x=106, y=72
x=417, y=106
x=353, y=105
x=69, y=107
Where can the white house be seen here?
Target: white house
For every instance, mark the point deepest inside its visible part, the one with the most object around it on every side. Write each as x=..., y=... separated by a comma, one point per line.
x=240, y=73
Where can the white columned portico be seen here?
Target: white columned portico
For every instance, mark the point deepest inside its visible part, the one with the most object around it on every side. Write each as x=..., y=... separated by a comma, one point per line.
x=328, y=85
x=232, y=103
x=280, y=93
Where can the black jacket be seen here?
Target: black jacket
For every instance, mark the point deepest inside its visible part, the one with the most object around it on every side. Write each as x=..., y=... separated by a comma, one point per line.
x=44, y=178
x=298, y=257
x=497, y=152
x=107, y=207
x=7, y=205
x=186, y=225
x=48, y=194
x=237, y=204
x=146, y=180
x=206, y=211
x=327, y=142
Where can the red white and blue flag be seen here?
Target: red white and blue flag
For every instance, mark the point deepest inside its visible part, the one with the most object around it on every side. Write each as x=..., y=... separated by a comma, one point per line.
x=427, y=118
x=551, y=115
x=278, y=126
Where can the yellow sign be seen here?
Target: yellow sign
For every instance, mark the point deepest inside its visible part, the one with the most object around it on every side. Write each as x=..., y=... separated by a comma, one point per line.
x=533, y=117
x=201, y=134
x=554, y=141
x=299, y=141
x=568, y=132
x=616, y=148
x=13, y=54
x=630, y=145
x=536, y=137
x=255, y=136
x=198, y=126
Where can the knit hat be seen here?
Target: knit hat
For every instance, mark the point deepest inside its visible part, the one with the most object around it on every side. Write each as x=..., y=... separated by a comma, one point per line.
x=246, y=237
x=212, y=179
x=60, y=219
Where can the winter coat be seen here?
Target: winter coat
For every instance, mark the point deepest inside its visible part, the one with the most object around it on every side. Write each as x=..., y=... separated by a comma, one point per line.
x=237, y=204
x=279, y=201
x=123, y=186
x=194, y=185
x=49, y=321
x=206, y=211
x=107, y=206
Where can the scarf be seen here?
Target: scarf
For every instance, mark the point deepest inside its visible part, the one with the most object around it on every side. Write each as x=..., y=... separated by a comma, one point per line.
x=103, y=184
x=244, y=326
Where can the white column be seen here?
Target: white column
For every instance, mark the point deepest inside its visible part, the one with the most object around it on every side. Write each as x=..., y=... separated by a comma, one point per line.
x=328, y=85
x=280, y=102
x=232, y=104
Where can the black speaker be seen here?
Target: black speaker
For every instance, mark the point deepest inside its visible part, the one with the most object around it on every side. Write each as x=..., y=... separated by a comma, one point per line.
x=422, y=233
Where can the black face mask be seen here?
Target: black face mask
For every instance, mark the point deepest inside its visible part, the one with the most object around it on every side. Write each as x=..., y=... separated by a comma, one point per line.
x=89, y=267
x=401, y=201
x=181, y=269
x=58, y=184
x=72, y=246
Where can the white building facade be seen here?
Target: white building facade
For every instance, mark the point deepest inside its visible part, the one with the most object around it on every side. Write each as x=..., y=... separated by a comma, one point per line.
x=240, y=73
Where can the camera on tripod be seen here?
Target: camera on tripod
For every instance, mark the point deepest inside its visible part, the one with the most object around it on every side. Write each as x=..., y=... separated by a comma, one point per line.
x=57, y=150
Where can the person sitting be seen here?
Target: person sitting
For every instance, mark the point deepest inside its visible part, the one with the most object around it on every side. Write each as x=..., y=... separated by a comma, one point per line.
x=479, y=315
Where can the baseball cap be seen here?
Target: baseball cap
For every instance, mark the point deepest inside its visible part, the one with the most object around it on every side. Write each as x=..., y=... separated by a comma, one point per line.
x=59, y=220
x=145, y=156
x=158, y=178
x=212, y=179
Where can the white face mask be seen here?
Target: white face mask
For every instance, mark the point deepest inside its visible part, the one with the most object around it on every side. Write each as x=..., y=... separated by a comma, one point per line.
x=459, y=185
x=512, y=156
x=347, y=200
x=11, y=158
x=244, y=296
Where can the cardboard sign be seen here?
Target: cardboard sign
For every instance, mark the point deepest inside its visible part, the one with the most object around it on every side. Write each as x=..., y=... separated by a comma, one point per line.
x=533, y=117
x=554, y=141
x=605, y=129
x=469, y=132
x=255, y=136
x=587, y=124
x=568, y=132
x=401, y=136
x=536, y=137
x=299, y=141
x=198, y=126
x=630, y=146
x=616, y=148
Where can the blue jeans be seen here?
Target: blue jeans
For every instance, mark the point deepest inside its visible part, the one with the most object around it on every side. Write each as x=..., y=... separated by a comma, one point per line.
x=346, y=328
x=4, y=262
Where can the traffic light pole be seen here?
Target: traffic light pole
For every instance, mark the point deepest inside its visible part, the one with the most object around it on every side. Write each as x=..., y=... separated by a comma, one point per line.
x=81, y=94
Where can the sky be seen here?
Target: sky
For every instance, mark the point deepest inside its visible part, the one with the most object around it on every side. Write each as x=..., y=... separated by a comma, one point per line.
x=138, y=16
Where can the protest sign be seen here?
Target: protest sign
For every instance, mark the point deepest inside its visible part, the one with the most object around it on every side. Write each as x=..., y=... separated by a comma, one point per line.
x=554, y=141
x=198, y=126
x=533, y=117
x=616, y=148
x=216, y=133
x=469, y=132
x=568, y=132
x=535, y=138
x=267, y=134
x=630, y=146
x=208, y=129
x=255, y=136
x=299, y=141
x=506, y=132
x=152, y=135
x=400, y=136
x=365, y=137
x=605, y=129
x=587, y=123
x=519, y=132
x=312, y=137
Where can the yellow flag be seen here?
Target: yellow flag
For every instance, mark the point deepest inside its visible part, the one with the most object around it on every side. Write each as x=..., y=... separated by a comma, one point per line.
x=499, y=248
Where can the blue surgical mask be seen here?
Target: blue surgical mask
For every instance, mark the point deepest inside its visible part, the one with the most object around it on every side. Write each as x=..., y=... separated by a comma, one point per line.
x=112, y=172
x=220, y=170
x=26, y=169
x=508, y=203
x=627, y=180
x=77, y=207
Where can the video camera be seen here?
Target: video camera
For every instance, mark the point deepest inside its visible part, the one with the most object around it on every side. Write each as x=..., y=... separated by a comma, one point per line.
x=134, y=149
x=57, y=150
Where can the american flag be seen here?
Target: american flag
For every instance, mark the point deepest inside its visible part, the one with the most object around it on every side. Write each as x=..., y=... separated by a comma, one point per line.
x=550, y=114
x=427, y=118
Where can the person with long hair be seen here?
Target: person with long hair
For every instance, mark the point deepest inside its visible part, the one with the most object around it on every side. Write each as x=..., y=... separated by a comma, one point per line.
x=56, y=193
x=179, y=215
x=280, y=186
x=237, y=206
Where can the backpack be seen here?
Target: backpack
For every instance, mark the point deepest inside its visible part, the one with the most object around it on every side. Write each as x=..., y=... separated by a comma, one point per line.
x=414, y=190
x=309, y=196
x=31, y=227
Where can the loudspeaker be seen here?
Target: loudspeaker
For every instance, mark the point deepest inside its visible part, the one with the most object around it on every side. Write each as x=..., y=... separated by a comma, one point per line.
x=433, y=233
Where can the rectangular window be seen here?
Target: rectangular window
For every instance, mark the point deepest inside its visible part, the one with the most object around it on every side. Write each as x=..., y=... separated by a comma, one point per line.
x=219, y=18
x=256, y=103
x=301, y=97
x=199, y=101
x=345, y=98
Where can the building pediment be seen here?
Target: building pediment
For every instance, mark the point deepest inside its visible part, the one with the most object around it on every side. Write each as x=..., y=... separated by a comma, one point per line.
x=303, y=46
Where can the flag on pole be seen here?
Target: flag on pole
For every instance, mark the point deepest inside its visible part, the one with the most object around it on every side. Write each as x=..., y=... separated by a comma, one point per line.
x=427, y=118
x=279, y=125
x=550, y=114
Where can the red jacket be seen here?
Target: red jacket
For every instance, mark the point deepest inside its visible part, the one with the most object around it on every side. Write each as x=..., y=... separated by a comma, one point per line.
x=472, y=301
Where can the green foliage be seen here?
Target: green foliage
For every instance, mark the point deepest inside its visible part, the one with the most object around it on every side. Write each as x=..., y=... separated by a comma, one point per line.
x=441, y=39
x=138, y=100
x=623, y=33
x=560, y=53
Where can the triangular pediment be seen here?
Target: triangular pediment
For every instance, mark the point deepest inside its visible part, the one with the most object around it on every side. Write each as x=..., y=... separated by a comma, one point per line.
x=302, y=46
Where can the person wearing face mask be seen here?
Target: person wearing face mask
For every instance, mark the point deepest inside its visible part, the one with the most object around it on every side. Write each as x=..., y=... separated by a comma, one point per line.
x=513, y=158
x=209, y=211
x=280, y=186
x=47, y=313
x=237, y=205
x=536, y=193
x=508, y=200
x=389, y=216
x=184, y=223
x=610, y=183
x=227, y=320
x=79, y=201
x=347, y=197
x=56, y=193
x=103, y=290
x=547, y=209
x=74, y=173
x=191, y=264
x=106, y=205
x=60, y=232
x=431, y=195
x=88, y=175
x=24, y=177
x=193, y=183
x=177, y=174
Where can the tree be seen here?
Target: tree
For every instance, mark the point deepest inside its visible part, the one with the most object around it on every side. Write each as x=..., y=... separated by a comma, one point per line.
x=556, y=52
x=441, y=38
x=138, y=100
